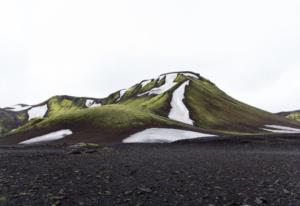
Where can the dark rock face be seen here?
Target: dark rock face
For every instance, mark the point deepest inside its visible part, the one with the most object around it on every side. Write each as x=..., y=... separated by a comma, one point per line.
x=8, y=121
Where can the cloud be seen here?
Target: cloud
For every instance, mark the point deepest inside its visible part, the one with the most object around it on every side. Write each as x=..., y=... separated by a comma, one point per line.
x=92, y=48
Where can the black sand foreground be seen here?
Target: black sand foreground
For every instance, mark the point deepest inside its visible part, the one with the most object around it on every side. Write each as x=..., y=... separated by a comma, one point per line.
x=212, y=173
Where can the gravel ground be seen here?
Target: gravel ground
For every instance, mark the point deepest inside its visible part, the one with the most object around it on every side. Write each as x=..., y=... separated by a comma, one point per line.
x=209, y=173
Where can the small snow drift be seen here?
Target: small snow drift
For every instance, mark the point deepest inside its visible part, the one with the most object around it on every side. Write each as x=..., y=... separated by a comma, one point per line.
x=89, y=102
x=179, y=112
x=37, y=112
x=145, y=82
x=92, y=103
x=163, y=135
x=190, y=75
x=122, y=92
x=169, y=83
x=280, y=129
x=49, y=137
x=18, y=108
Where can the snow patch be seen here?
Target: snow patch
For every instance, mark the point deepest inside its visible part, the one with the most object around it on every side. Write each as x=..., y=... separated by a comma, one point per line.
x=145, y=82
x=190, y=75
x=49, y=137
x=179, y=112
x=169, y=83
x=18, y=108
x=281, y=129
x=163, y=135
x=89, y=102
x=37, y=112
x=161, y=77
x=92, y=103
x=122, y=92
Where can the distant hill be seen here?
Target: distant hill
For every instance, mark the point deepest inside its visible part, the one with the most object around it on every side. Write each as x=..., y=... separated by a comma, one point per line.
x=292, y=115
x=178, y=100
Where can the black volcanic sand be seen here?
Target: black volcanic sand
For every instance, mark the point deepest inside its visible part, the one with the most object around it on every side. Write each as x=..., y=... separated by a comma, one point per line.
x=236, y=171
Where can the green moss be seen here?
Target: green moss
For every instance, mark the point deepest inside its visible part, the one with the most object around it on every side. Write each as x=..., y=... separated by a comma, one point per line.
x=105, y=117
x=148, y=86
x=160, y=82
x=131, y=92
x=59, y=106
x=158, y=104
x=209, y=107
x=29, y=125
x=213, y=109
x=111, y=98
x=22, y=117
x=181, y=78
x=294, y=116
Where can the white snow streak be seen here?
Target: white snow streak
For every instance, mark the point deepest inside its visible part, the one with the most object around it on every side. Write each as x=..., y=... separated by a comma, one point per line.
x=179, y=112
x=122, y=92
x=190, y=75
x=169, y=83
x=92, y=103
x=49, y=137
x=89, y=102
x=281, y=129
x=163, y=135
x=145, y=82
x=37, y=112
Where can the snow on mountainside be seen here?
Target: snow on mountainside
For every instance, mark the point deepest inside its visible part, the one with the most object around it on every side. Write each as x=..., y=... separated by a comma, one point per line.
x=145, y=82
x=163, y=135
x=177, y=100
x=121, y=94
x=37, y=112
x=18, y=108
x=281, y=129
x=92, y=103
x=49, y=137
x=169, y=83
x=179, y=112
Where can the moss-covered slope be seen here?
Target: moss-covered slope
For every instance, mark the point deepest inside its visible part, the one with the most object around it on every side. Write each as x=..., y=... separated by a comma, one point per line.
x=146, y=104
x=209, y=107
x=109, y=124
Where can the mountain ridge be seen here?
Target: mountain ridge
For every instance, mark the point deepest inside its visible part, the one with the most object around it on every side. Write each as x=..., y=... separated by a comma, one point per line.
x=157, y=102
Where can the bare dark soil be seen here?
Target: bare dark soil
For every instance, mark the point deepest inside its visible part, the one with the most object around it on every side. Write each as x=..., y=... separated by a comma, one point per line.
x=232, y=171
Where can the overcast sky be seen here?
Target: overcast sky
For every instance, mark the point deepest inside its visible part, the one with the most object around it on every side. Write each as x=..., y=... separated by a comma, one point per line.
x=250, y=49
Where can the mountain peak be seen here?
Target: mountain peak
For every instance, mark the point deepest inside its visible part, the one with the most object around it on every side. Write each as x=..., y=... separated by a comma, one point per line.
x=181, y=99
x=188, y=73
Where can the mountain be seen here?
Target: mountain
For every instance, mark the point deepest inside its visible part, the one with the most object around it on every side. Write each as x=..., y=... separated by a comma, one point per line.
x=171, y=106
x=10, y=120
x=292, y=115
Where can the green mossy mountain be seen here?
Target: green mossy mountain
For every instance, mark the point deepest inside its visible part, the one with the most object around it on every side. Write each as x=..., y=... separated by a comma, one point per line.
x=144, y=105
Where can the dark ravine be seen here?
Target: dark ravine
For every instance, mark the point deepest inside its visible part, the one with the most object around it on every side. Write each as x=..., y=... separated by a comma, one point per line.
x=212, y=173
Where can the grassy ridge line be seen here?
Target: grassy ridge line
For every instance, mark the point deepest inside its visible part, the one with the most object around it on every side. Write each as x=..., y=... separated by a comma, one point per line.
x=213, y=109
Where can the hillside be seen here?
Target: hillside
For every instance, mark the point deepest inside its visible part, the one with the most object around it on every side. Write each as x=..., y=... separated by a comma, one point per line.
x=179, y=100
x=10, y=120
x=293, y=115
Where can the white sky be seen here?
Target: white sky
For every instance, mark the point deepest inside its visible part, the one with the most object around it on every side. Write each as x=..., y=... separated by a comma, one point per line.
x=250, y=49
